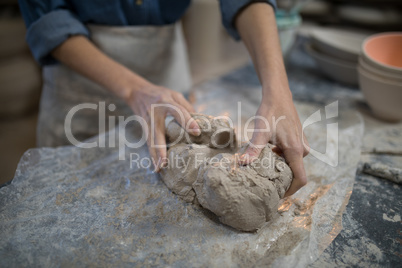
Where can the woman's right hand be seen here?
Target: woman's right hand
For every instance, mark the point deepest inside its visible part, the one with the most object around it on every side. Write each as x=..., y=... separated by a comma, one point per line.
x=153, y=103
x=80, y=54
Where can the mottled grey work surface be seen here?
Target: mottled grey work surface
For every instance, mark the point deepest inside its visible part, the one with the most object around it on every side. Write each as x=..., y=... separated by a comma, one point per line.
x=372, y=226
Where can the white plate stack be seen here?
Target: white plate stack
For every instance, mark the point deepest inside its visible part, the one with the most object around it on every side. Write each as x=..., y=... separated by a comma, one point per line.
x=336, y=53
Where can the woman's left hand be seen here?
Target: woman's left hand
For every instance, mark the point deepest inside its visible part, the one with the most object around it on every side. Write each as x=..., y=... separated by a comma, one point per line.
x=285, y=132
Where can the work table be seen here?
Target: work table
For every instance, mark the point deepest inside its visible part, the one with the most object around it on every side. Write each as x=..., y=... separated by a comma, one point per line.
x=371, y=231
x=372, y=226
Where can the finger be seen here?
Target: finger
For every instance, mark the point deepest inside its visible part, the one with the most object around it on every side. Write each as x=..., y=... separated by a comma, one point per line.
x=306, y=146
x=160, y=142
x=277, y=150
x=186, y=121
x=257, y=143
x=179, y=98
x=294, y=158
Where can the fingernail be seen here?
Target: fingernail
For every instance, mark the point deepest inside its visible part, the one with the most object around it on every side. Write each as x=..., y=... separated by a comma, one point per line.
x=155, y=165
x=159, y=165
x=196, y=131
x=243, y=157
x=164, y=163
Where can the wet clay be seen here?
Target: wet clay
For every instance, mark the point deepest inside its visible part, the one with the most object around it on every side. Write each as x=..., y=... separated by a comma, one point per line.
x=204, y=170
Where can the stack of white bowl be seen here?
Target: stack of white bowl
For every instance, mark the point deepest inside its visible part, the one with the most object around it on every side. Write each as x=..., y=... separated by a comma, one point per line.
x=380, y=74
x=336, y=53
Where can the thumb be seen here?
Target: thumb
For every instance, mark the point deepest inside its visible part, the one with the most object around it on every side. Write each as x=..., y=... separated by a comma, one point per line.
x=295, y=160
x=254, y=148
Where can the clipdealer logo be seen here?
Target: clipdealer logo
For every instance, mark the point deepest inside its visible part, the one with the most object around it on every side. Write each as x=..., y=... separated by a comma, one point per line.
x=330, y=156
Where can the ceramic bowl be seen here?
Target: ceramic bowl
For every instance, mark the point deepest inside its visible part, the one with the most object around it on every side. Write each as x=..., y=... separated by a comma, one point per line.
x=339, y=70
x=383, y=97
x=339, y=44
x=384, y=52
x=379, y=72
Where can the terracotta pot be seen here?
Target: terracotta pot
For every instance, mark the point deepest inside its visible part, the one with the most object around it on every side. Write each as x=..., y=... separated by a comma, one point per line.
x=384, y=52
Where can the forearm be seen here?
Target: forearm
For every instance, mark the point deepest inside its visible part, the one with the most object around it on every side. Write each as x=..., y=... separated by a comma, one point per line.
x=257, y=28
x=81, y=55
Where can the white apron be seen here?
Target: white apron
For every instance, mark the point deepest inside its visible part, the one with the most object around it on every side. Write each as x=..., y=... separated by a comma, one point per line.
x=157, y=53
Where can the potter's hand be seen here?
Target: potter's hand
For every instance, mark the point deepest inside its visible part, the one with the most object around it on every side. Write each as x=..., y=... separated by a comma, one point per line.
x=257, y=27
x=285, y=132
x=154, y=103
x=80, y=54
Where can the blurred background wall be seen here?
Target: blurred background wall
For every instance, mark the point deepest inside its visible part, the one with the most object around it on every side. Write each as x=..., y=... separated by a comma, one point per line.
x=211, y=53
x=20, y=85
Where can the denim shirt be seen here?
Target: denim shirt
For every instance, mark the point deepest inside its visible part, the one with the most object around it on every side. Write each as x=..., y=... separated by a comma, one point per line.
x=50, y=22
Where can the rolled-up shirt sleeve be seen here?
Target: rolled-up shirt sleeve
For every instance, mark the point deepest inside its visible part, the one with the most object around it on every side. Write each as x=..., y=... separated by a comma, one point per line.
x=231, y=8
x=49, y=24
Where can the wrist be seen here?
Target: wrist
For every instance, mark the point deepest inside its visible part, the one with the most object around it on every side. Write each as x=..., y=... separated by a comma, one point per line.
x=129, y=85
x=276, y=93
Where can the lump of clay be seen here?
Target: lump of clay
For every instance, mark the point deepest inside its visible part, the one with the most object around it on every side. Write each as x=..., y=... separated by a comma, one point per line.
x=244, y=197
x=190, y=152
x=184, y=161
x=216, y=132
